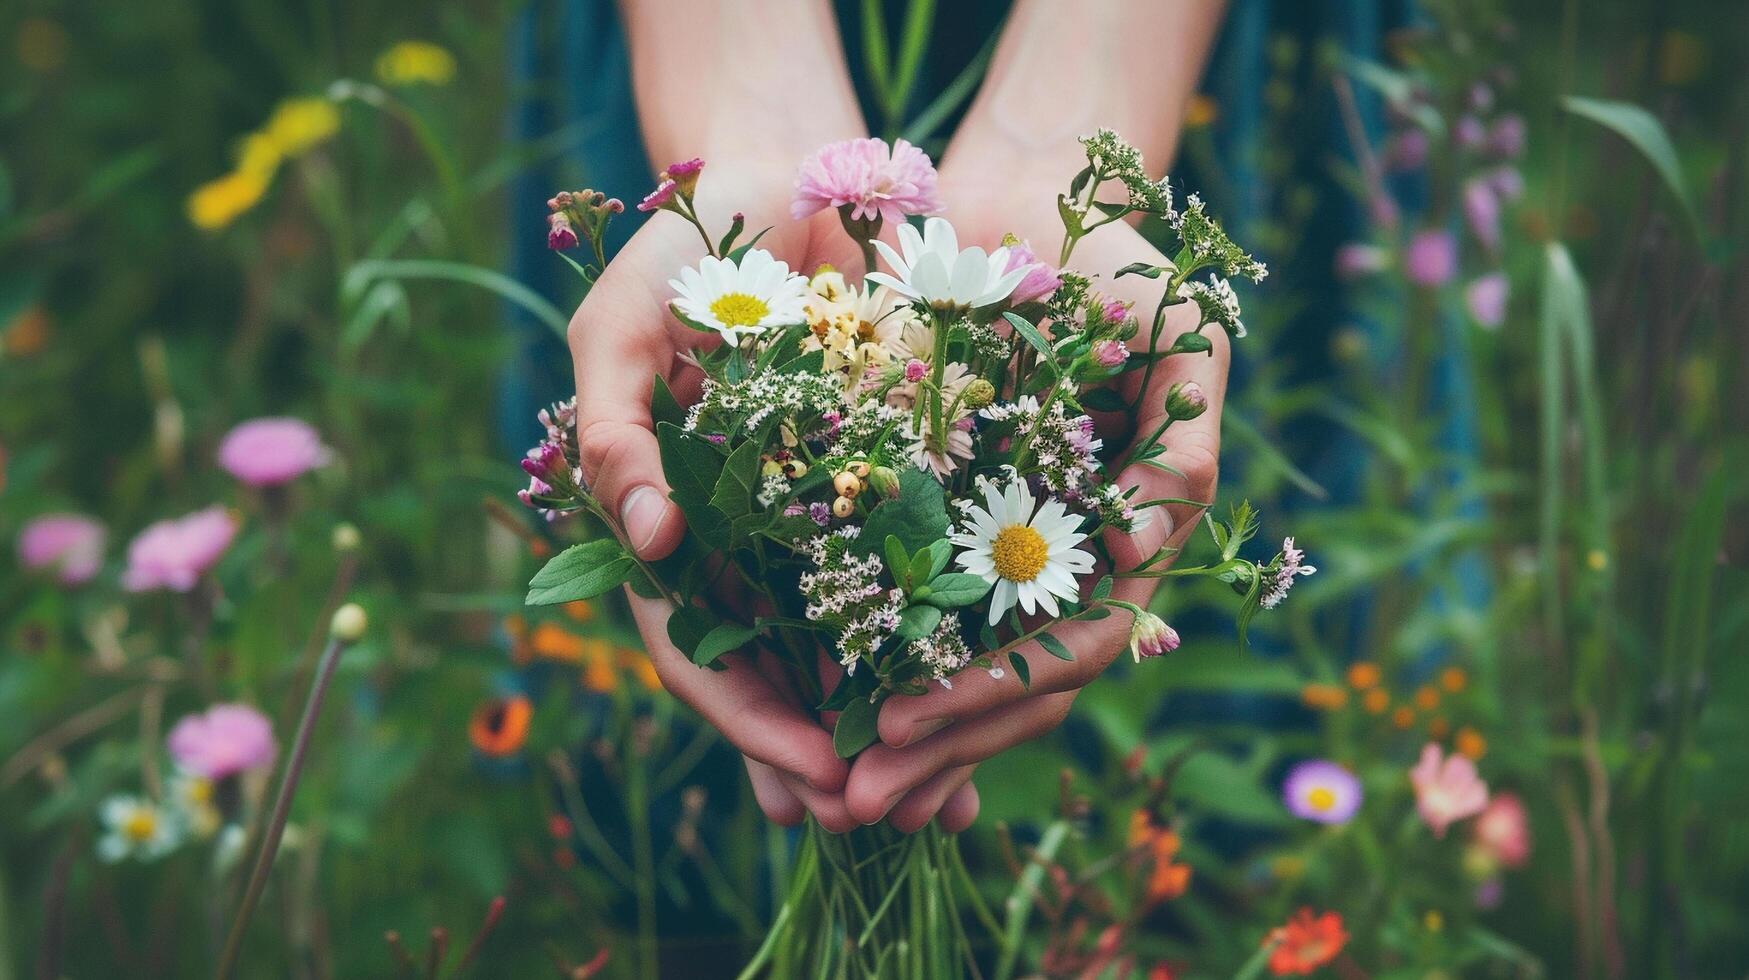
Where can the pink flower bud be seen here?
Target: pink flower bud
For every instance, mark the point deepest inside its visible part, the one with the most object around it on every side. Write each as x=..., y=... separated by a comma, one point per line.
x=915, y=370
x=1482, y=212
x=1185, y=401
x=1110, y=353
x=560, y=234
x=1486, y=298
x=1507, y=137
x=1431, y=258
x=685, y=175
x=1469, y=133
x=660, y=197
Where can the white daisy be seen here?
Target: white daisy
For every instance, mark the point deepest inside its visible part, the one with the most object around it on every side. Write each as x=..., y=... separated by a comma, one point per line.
x=193, y=798
x=935, y=270
x=1032, y=558
x=739, y=300
x=136, y=827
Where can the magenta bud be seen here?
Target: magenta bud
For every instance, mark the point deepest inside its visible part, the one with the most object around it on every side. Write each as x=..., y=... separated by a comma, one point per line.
x=1185, y=401
x=560, y=234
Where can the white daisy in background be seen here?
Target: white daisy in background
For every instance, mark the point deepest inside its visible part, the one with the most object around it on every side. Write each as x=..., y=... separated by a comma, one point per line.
x=739, y=300
x=1031, y=557
x=933, y=268
x=136, y=827
x=192, y=797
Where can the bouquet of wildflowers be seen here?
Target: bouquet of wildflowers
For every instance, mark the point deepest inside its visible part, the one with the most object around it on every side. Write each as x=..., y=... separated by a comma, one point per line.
x=904, y=471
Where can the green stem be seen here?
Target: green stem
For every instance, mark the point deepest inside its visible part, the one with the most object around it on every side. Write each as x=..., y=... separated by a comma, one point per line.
x=1019, y=904
x=643, y=859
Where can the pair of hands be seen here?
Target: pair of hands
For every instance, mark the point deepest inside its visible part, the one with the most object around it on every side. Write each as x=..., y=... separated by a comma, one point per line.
x=623, y=336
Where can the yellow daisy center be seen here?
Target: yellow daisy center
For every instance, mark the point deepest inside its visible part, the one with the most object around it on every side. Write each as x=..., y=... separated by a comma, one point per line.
x=739, y=310
x=139, y=825
x=1321, y=798
x=1019, y=553
x=200, y=791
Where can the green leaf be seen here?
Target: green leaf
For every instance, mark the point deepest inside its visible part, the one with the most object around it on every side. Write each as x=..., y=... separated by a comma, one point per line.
x=922, y=567
x=736, y=484
x=940, y=552
x=1021, y=670
x=362, y=274
x=858, y=727
x=917, y=622
x=688, y=626
x=898, y=563
x=917, y=517
x=1055, y=647
x=582, y=571
x=1102, y=590
x=691, y=466
x=1103, y=400
x=1643, y=130
x=1025, y=328
x=956, y=589
x=720, y=640
x=1140, y=269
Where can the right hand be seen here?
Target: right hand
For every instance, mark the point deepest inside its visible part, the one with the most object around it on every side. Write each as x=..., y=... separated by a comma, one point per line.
x=621, y=338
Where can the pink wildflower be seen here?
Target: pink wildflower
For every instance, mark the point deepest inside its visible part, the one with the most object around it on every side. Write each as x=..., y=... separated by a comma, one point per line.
x=560, y=234
x=1482, y=212
x=1110, y=353
x=1151, y=637
x=69, y=545
x=1486, y=298
x=870, y=178
x=1503, y=830
x=1431, y=258
x=685, y=175
x=1469, y=133
x=915, y=370
x=1040, y=280
x=174, y=554
x=268, y=452
x=659, y=197
x=1356, y=259
x=1446, y=789
x=226, y=740
x=1506, y=138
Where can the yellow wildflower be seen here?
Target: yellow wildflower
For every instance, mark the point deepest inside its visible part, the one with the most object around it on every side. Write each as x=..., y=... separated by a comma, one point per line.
x=217, y=203
x=415, y=63
x=1200, y=111
x=298, y=125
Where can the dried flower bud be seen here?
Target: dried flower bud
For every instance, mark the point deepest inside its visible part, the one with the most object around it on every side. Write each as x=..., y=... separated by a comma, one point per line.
x=348, y=624
x=884, y=481
x=859, y=467
x=979, y=394
x=843, y=507
x=1185, y=401
x=794, y=469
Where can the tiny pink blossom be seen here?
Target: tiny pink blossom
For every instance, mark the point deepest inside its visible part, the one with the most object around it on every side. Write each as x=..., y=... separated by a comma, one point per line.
x=1469, y=133
x=870, y=178
x=1040, y=280
x=659, y=197
x=915, y=370
x=1503, y=830
x=1507, y=182
x=1482, y=212
x=271, y=451
x=560, y=234
x=1431, y=258
x=1114, y=311
x=226, y=740
x=1486, y=298
x=1110, y=353
x=1506, y=138
x=174, y=554
x=69, y=545
x=1407, y=150
x=1446, y=789
x=1356, y=259
x=685, y=175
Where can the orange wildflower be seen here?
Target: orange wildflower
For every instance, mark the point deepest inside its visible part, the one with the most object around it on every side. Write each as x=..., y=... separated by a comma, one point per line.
x=1376, y=701
x=1363, y=675
x=1454, y=679
x=1166, y=881
x=1323, y=697
x=579, y=610
x=1470, y=742
x=599, y=674
x=550, y=641
x=500, y=726
x=1403, y=717
x=1427, y=697
x=1305, y=943
x=1438, y=727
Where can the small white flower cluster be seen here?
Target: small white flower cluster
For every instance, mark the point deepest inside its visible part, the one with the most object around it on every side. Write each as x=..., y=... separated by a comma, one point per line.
x=1109, y=152
x=1292, y=566
x=1063, y=446
x=861, y=427
x=790, y=395
x=845, y=589
x=1218, y=303
x=944, y=650
x=1209, y=244
x=1115, y=510
x=773, y=488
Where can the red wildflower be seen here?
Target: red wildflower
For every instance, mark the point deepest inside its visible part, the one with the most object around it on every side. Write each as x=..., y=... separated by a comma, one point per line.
x=1305, y=943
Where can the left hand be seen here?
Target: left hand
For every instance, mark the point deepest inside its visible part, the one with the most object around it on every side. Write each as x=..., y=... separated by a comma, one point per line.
x=931, y=743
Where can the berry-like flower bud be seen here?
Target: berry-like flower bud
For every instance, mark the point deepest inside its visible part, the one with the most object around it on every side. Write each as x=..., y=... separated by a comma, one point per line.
x=847, y=484
x=1151, y=637
x=1185, y=401
x=770, y=468
x=560, y=234
x=346, y=538
x=884, y=481
x=794, y=469
x=979, y=394
x=859, y=467
x=843, y=507
x=349, y=623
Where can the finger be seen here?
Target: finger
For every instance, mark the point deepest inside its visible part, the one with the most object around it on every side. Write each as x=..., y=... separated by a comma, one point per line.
x=960, y=809
x=742, y=704
x=619, y=343
x=1094, y=643
x=921, y=805
x=779, y=805
x=882, y=774
x=828, y=809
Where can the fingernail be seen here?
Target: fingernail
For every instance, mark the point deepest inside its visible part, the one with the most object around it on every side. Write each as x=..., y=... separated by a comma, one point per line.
x=926, y=728
x=641, y=514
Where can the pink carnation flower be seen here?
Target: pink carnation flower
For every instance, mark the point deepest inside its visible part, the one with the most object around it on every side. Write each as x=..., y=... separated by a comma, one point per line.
x=1446, y=789
x=173, y=554
x=226, y=740
x=1431, y=258
x=1040, y=280
x=870, y=178
x=272, y=451
x=70, y=545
